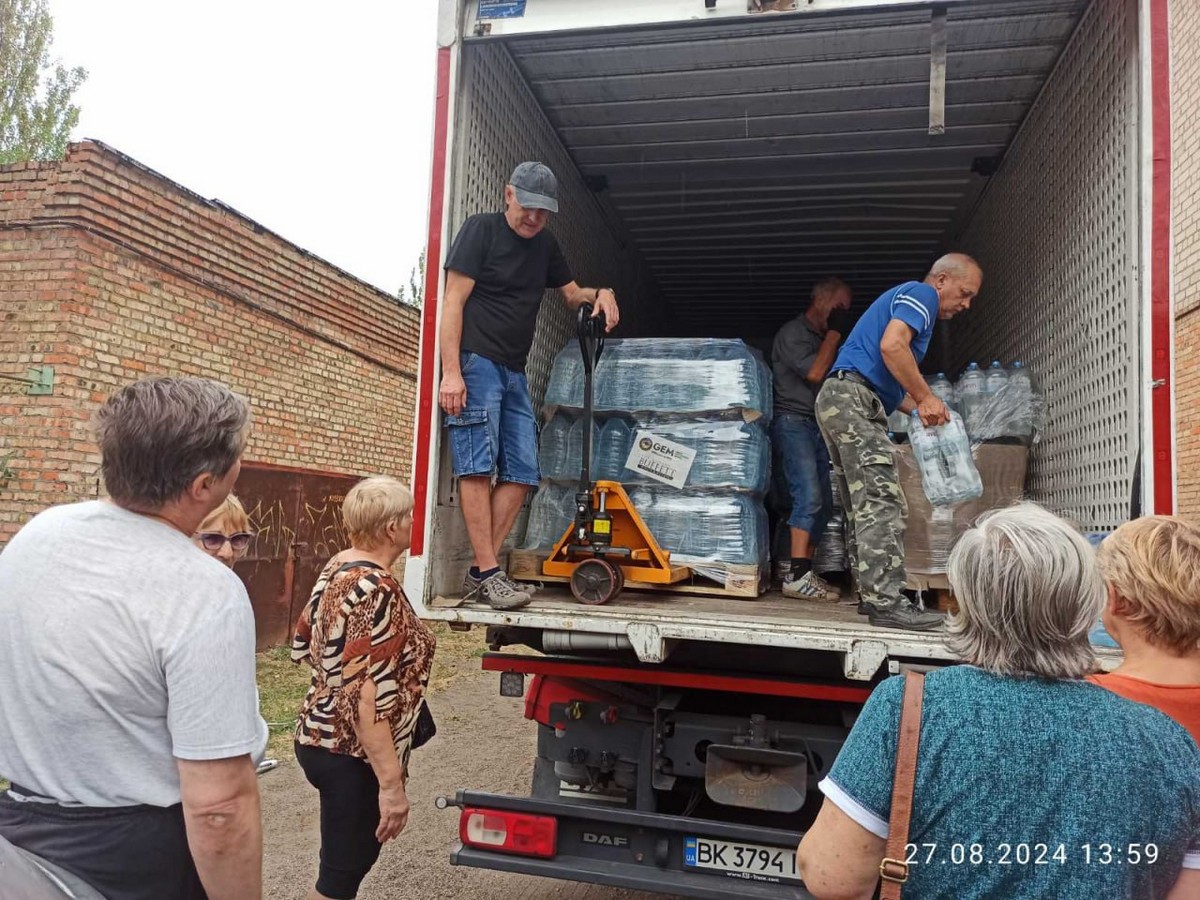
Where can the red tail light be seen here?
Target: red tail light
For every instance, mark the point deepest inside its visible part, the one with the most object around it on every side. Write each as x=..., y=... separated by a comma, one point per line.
x=509, y=832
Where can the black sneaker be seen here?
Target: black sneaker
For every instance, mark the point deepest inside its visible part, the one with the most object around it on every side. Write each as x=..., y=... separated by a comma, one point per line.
x=905, y=616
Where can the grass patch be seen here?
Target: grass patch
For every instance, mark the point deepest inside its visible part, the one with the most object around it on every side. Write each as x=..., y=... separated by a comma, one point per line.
x=281, y=689
x=282, y=685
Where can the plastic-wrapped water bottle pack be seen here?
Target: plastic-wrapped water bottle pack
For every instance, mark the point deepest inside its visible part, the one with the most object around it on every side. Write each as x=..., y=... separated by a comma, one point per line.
x=712, y=397
x=730, y=454
x=943, y=453
x=996, y=403
x=698, y=528
x=831, y=553
x=672, y=376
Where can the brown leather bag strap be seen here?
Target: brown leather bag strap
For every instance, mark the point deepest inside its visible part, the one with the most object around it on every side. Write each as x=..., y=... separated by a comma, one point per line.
x=894, y=870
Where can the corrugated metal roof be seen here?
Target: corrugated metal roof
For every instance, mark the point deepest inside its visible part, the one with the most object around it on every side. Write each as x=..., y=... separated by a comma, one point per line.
x=750, y=158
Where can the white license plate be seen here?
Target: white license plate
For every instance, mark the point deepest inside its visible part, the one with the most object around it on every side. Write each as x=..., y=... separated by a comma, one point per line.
x=751, y=862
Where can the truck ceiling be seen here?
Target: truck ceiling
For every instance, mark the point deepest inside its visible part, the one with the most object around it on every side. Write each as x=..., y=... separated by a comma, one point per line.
x=753, y=156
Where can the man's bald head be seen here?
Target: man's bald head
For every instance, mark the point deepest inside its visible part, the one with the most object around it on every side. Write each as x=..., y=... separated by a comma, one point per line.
x=956, y=265
x=957, y=279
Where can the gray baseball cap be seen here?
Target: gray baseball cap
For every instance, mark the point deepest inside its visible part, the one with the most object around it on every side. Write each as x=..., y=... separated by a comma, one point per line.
x=535, y=186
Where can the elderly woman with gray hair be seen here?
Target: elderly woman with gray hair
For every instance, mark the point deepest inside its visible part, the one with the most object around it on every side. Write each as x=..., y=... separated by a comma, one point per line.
x=1029, y=781
x=129, y=721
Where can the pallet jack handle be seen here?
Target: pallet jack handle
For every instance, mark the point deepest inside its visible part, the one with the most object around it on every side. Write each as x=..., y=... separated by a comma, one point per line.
x=590, y=331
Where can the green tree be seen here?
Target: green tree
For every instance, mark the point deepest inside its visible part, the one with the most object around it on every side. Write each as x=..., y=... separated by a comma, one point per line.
x=36, y=112
x=412, y=294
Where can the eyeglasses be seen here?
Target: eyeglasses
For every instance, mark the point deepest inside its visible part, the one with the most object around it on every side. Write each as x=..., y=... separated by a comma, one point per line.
x=213, y=541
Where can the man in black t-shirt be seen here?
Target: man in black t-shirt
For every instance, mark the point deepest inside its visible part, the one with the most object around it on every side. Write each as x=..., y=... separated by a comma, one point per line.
x=498, y=270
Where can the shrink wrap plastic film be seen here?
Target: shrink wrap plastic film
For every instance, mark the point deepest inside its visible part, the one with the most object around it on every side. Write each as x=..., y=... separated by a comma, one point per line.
x=730, y=455
x=698, y=529
x=669, y=376
x=710, y=396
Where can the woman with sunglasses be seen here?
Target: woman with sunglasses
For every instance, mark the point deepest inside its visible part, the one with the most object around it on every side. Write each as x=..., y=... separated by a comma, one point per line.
x=225, y=533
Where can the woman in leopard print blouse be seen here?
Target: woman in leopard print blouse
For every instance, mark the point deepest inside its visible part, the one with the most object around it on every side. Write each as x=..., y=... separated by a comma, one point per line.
x=370, y=657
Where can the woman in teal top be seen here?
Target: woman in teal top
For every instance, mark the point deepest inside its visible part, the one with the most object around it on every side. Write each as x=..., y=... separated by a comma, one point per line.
x=1031, y=783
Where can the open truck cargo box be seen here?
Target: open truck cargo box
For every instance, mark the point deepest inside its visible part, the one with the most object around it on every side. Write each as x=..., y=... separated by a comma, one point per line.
x=713, y=163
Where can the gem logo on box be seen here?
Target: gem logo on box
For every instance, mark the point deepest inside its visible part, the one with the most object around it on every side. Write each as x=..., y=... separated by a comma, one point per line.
x=660, y=459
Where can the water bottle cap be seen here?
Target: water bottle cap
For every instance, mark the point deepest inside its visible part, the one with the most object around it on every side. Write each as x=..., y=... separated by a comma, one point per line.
x=940, y=375
x=973, y=367
x=1018, y=365
x=996, y=364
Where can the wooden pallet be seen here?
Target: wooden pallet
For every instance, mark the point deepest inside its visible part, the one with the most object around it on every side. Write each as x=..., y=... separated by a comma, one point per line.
x=937, y=586
x=740, y=581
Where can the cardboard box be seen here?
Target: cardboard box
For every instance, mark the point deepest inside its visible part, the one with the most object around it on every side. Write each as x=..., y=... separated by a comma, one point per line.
x=932, y=531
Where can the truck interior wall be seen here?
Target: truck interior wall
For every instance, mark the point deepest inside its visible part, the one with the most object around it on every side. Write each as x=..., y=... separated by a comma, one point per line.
x=1056, y=233
x=498, y=124
x=1056, y=227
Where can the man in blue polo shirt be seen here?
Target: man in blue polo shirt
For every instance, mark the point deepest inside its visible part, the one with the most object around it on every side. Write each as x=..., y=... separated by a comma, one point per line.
x=876, y=372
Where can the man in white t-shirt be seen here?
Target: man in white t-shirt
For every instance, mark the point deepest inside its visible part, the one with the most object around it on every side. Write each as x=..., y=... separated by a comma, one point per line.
x=129, y=723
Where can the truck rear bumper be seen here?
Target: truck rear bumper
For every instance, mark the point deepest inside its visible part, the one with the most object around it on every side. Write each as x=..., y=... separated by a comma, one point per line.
x=628, y=849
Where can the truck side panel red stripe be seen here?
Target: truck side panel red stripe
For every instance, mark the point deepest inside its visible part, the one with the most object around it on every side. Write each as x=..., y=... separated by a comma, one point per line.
x=1160, y=264
x=433, y=270
x=735, y=684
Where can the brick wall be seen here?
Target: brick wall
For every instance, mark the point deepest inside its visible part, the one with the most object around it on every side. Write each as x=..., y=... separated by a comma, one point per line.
x=110, y=272
x=1187, y=411
x=1185, y=201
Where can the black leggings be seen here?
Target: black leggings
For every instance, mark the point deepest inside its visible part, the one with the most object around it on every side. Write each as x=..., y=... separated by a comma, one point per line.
x=124, y=852
x=349, y=816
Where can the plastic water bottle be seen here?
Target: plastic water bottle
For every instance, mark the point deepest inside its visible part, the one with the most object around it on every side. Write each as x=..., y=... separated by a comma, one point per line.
x=550, y=515
x=995, y=379
x=943, y=454
x=574, y=458
x=552, y=454
x=1020, y=385
x=969, y=392
x=943, y=389
x=991, y=413
x=1020, y=377
x=612, y=449
x=897, y=422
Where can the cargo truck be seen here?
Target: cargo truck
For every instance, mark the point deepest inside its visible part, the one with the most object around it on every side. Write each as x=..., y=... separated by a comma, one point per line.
x=715, y=158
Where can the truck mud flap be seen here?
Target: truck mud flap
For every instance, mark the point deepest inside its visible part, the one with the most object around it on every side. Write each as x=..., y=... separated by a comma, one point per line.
x=645, y=851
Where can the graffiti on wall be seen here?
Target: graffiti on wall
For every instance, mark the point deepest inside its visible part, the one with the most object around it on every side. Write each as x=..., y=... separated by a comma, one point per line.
x=320, y=525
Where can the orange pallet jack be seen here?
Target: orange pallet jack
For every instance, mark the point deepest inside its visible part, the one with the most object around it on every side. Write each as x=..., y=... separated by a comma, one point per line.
x=608, y=543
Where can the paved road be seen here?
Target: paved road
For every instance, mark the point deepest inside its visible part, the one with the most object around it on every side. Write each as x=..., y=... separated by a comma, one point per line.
x=483, y=742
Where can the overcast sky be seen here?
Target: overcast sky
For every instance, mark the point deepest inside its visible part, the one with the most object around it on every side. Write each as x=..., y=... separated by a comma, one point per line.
x=312, y=118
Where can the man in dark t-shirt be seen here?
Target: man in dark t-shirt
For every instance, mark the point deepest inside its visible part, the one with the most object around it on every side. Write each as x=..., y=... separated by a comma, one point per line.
x=499, y=268
x=801, y=355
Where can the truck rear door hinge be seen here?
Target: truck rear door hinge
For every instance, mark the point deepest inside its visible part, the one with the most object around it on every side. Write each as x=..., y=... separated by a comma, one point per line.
x=863, y=659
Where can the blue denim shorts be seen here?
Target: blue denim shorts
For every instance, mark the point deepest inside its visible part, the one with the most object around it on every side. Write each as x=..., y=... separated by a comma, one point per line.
x=496, y=432
x=802, y=472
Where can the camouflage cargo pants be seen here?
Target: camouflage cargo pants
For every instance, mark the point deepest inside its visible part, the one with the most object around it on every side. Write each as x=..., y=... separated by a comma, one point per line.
x=854, y=425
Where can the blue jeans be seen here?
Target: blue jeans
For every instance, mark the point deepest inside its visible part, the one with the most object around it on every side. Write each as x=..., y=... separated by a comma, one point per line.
x=496, y=432
x=802, y=470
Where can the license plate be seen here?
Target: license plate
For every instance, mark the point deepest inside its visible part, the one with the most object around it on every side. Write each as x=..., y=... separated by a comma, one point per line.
x=749, y=862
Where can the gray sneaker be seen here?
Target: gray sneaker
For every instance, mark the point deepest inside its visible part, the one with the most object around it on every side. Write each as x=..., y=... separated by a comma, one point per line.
x=499, y=593
x=471, y=586
x=810, y=586
x=525, y=586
